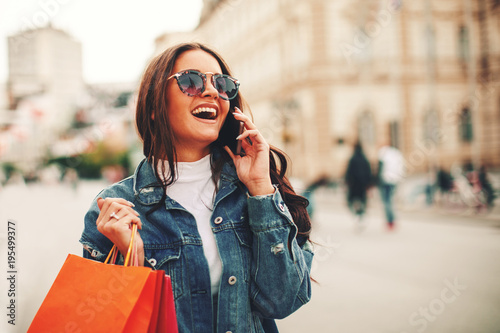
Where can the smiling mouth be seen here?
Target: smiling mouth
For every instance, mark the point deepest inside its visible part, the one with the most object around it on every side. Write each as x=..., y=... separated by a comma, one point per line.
x=205, y=113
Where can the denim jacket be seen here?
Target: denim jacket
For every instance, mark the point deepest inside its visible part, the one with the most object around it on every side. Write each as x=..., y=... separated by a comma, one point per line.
x=265, y=270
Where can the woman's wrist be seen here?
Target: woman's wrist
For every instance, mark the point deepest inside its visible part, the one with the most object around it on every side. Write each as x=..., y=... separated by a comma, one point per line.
x=264, y=188
x=140, y=250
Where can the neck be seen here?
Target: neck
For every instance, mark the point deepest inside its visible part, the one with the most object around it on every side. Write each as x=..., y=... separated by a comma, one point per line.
x=191, y=154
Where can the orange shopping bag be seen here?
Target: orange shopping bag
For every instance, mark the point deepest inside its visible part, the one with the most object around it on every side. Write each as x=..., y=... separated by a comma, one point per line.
x=89, y=296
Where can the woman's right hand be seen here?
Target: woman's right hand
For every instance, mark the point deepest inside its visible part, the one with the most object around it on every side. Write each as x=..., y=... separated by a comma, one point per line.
x=115, y=222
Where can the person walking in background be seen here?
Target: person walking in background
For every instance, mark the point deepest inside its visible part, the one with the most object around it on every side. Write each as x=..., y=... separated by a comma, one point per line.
x=311, y=189
x=390, y=173
x=358, y=179
x=445, y=184
x=486, y=187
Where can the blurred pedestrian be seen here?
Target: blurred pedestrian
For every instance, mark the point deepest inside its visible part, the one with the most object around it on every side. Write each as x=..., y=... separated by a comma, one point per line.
x=445, y=184
x=486, y=186
x=311, y=189
x=390, y=173
x=358, y=178
x=430, y=186
x=3, y=178
x=71, y=178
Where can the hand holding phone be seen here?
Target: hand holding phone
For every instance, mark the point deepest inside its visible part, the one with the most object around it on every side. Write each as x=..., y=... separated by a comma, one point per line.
x=231, y=129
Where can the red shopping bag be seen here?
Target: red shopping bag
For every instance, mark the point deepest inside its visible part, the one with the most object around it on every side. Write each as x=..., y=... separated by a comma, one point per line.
x=167, y=320
x=89, y=296
x=163, y=318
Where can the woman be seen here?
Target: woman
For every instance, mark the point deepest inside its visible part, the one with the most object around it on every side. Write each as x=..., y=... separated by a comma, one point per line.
x=227, y=228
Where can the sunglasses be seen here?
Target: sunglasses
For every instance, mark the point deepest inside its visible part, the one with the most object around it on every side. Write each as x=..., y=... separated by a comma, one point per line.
x=193, y=83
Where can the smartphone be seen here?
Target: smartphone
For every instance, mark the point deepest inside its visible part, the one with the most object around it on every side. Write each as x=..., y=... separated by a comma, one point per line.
x=237, y=151
x=231, y=129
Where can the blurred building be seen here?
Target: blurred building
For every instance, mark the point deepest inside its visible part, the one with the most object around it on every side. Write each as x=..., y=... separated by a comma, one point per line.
x=319, y=75
x=107, y=116
x=3, y=97
x=46, y=62
x=3, y=121
x=44, y=87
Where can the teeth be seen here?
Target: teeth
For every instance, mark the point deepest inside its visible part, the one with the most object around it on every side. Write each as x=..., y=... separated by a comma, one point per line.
x=200, y=110
x=205, y=113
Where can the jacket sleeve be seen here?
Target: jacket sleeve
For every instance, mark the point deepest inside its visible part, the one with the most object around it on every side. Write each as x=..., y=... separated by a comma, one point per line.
x=96, y=246
x=280, y=267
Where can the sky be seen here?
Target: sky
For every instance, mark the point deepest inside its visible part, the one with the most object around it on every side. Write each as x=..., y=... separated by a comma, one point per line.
x=117, y=36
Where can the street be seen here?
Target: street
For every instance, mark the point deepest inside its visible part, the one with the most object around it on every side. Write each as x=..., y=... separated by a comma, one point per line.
x=434, y=273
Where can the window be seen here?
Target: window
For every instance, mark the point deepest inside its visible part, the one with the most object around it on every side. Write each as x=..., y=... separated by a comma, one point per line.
x=396, y=4
x=430, y=38
x=394, y=133
x=465, y=125
x=366, y=128
x=463, y=44
x=431, y=126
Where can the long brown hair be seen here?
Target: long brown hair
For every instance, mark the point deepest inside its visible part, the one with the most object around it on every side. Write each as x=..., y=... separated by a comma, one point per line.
x=157, y=136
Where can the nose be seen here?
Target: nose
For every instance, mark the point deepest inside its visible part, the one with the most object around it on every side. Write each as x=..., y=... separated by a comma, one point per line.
x=210, y=90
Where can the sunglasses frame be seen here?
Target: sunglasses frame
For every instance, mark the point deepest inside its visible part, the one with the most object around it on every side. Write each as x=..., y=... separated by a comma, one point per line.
x=204, y=78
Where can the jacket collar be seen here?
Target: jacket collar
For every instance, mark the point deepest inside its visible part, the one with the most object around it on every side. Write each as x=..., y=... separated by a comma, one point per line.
x=149, y=191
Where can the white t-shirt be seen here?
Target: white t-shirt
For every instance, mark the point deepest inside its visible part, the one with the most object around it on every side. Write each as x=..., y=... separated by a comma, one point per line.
x=392, y=165
x=194, y=189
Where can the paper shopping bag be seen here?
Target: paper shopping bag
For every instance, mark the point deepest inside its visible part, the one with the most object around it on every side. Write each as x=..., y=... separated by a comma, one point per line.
x=89, y=296
x=163, y=318
x=153, y=323
x=167, y=320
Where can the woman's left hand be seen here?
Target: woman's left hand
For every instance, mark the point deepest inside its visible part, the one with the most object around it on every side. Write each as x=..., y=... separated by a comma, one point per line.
x=253, y=167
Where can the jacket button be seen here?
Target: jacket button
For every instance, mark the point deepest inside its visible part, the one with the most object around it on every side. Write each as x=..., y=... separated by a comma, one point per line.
x=218, y=220
x=282, y=207
x=232, y=280
x=152, y=261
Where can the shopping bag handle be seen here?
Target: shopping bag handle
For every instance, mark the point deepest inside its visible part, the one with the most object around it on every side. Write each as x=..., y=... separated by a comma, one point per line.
x=131, y=258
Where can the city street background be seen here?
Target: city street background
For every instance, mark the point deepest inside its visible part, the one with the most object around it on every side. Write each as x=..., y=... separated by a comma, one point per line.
x=436, y=273
x=319, y=76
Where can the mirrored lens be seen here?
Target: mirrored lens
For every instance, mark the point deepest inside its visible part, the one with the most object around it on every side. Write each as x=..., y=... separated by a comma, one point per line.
x=226, y=87
x=191, y=83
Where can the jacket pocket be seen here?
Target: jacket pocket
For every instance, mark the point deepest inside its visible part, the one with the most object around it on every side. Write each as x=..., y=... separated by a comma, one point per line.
x=168, y=260
x=242, y=251
x=244, y=235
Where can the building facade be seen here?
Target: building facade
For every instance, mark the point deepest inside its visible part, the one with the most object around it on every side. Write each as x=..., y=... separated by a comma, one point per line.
x=46, y=62
x=320, y=75
x=45, y=85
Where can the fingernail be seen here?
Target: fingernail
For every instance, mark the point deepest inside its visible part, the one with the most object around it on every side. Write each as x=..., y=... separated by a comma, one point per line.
x=131, y=204
x=136, y=212
x=239, y=137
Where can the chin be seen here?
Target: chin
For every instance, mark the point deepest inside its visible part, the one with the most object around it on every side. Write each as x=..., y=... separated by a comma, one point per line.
x=209, y=138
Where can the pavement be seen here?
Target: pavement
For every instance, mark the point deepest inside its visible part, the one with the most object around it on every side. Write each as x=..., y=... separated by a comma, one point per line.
x=437, y=272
